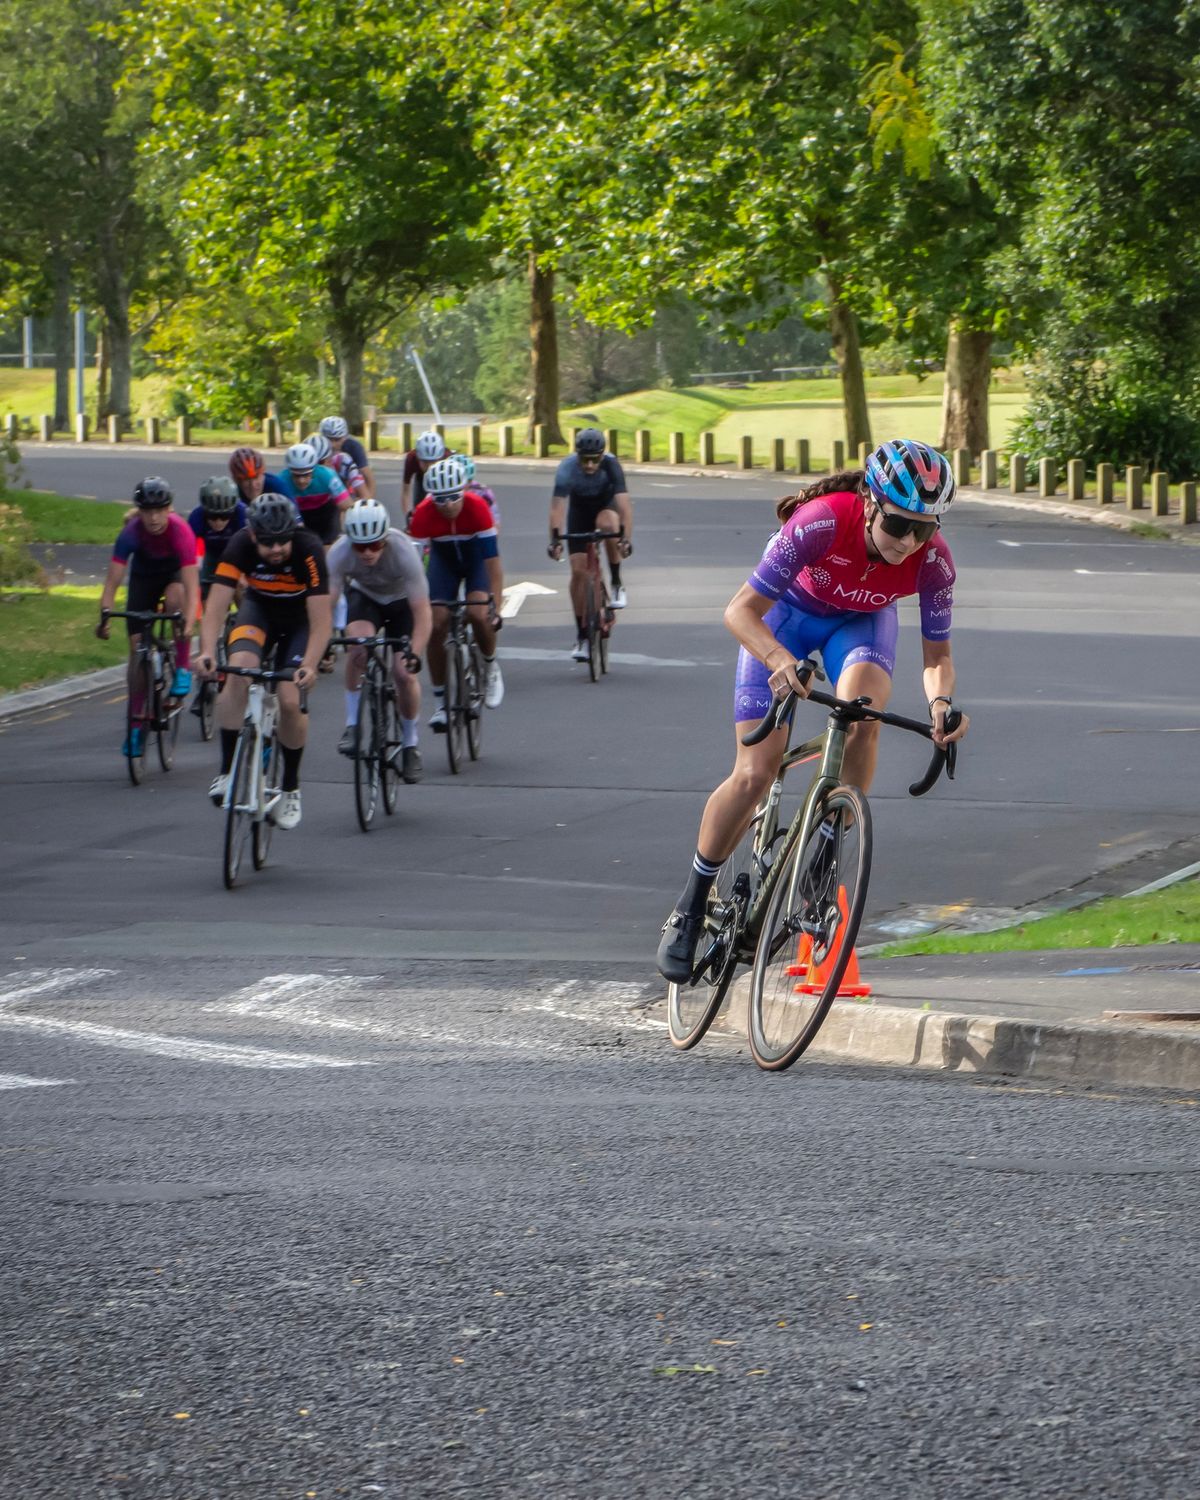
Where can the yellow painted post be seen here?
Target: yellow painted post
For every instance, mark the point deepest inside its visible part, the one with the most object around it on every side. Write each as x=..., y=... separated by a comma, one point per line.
x=114, y=428
x=708, y=447
x=1016, y=474
x=1133, y=487
x=1187, y=503
x=541, y=440
x=506, y=440
x=1160, y=494
x=371, y=436
x=610, y=437
x=1048, y=477
x=406, y=437
x=677, y=454
x=1104, y=484
x=1075, y=479
x=803, y=457
x=864, y=452
x=745, y=452
x=475, y=440
x=642, y=445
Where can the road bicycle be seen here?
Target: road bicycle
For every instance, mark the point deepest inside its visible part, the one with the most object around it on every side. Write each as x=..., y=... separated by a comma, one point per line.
x=154, y=673
x=465, y=680
x=204, y=705
x=254, y=792
x=789, y=900
x=599, y=616
x=378, y=738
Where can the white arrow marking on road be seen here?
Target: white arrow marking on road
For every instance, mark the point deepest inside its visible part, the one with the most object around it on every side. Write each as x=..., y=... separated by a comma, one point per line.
x=621, y=658
x=23, y=985
x=516, y=594
x=19, y=1081
x=295, y=998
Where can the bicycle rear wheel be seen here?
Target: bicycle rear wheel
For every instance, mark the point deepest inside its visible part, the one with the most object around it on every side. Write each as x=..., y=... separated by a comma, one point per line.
x=692, y=1008
x=238, y=817
x=593, y=629
x=260, y=842
x=475, y=677
x=389, y=746
x=810, y=929
x=605, y=628
x=166, y=713
x=207, y=703
x=140, y=722
x=366, y=752
x=456, y=706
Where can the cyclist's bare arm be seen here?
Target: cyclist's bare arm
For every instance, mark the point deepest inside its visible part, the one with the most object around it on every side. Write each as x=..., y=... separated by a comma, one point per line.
x=558, y=516
x=406, y=505
x=624, y=507
x=216, y=607
x=368, y=475
x=938, y=678
x=112, y=582
x=495, y=573
x=320, y=628
x=190, y=576
x=422, y=626
x=744, y=618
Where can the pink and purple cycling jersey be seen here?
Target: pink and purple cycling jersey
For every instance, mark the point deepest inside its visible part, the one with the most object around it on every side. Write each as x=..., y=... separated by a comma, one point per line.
x=174, y=549
x=817, y=561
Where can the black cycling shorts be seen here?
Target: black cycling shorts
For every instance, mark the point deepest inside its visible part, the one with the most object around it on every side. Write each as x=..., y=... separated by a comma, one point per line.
x=396, y=618
x=581, y=516
x=262, y=628
x=324, y=521
x=146, y=591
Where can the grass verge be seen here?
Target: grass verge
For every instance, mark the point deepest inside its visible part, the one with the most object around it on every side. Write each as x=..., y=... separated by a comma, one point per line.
x=63, y=518
x=1169, y=916
x=47, y=633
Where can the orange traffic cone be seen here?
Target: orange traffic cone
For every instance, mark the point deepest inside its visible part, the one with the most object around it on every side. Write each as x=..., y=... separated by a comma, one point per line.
x=815, y=975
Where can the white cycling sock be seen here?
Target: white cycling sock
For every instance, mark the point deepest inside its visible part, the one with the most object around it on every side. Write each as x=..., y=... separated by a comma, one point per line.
x=353, y=699
x=408, y=734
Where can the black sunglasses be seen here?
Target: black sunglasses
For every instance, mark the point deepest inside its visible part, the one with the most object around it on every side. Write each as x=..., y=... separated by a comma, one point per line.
x=902, y=526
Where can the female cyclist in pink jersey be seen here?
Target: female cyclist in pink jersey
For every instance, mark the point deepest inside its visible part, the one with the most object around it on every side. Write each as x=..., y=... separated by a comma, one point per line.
x=849, y=547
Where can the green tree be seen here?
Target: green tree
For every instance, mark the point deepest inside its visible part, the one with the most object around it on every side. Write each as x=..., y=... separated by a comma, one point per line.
x=310, y=150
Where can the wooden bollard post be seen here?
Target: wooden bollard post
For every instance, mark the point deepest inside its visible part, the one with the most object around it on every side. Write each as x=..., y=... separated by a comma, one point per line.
x=610, y=438
x=838, y=461
x=677, y=455
x=183, y=431
x=1160, y=494
x=987, y=469
x=541, y=440
x=745, y=452
x=1187, y=503
x=152, y=430
x=298, y=430
x=864, y=452
x=81, y=427
x=962, y=466
x=475, y=440
x=641, y=445
x=1016, y=474
x=114, y=428
x=778, y=461
x=1133, y=487
x=268, y=424
x=406, y=437
x=506, y=440
x=440, y=429
x=1104, y=484
x=708, y=448
x=1047, y=477
x=46, y=427
x=1075, y=479
x=803, y=456
x=371, y=435
x=11, y=426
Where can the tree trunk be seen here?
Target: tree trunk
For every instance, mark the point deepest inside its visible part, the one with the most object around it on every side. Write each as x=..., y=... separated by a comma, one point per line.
x=349, y=349
x=101, y=374
x=843, y=327
x=965, y=398
x=60, y=323
x=543, y=346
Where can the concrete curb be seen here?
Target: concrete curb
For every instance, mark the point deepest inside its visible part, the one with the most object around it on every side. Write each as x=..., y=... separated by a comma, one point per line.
x=14, y=705
x=1081, y=1052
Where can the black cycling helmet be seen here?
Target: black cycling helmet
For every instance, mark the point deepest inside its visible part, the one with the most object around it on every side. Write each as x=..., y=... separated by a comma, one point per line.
x=153, y=494
x=589, y=443
x=272, y=518
x=219, y=496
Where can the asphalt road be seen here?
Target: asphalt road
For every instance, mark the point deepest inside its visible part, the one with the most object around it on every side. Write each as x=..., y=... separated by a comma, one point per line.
x=375, y=1177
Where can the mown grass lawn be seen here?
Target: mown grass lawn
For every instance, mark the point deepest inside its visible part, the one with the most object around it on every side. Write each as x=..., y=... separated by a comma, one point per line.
x=64, y=518
x=1168, y=916
x=48, y=633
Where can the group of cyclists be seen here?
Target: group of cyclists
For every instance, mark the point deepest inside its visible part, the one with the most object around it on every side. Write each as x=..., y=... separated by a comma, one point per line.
x=309, y=548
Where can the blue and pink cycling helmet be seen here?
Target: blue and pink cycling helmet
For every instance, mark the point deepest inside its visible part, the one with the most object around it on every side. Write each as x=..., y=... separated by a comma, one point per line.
x=912, y=476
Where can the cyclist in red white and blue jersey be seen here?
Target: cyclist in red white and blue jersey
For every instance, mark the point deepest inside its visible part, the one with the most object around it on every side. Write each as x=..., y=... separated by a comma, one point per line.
x=849, y=548
x=158, y=550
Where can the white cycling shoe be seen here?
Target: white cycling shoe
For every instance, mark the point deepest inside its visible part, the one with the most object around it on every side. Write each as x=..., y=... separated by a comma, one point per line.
x=493, y=685
x=220, y=785
x=618, y=600
x=287, y=810
x=581, y=651
x=437, y=719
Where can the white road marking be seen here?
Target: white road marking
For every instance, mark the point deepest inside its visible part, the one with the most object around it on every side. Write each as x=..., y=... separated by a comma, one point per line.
x=24, y=984
x=20, y=1081
x=621, y=658
x=293, y=997
x=516, y=594
x=1160, y=885
x=1079, y=543
x=1120, y=573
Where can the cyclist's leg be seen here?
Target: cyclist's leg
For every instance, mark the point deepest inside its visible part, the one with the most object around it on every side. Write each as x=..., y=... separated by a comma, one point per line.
x=182, y=634
x=581, y=516
x=289, y=639
x=609, y=520
x=143, y=592
x=364, y=618
x=444, y=578
x=398, y=620
x=860, y=657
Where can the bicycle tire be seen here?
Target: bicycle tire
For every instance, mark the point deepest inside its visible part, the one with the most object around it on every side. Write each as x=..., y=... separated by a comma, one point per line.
x=604, y=649
x=692, y=1008
x=166, y=711
x=782, y=1021
x=593, y=626
x=237, y=819
x=475, y=679
x=208, y=710
x=260, y=837
x=366, y=752
x=455, y=707
x=136, y=764
x=389, y=743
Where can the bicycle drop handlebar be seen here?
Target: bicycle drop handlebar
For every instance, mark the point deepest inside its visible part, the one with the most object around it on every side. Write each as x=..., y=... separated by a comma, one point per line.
x=858, y=710
x=401, y=644
x=141, y=614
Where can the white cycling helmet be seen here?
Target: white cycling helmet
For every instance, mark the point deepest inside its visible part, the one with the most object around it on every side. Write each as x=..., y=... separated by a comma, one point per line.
x=446, y=479
x=335, y=427
x=430, y=447
x=468, y=464
x=320, y=445
x=366, y=521
x=301, y=457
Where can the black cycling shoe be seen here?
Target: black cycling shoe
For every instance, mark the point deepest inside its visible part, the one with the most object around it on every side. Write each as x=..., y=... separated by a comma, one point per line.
x=410, y=765
x=677, y=952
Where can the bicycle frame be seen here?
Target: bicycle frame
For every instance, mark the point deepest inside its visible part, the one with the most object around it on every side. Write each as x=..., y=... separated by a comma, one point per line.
x=261, y=718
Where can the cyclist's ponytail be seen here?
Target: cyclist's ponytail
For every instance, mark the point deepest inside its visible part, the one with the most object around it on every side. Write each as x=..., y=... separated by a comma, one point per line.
x=831, y=484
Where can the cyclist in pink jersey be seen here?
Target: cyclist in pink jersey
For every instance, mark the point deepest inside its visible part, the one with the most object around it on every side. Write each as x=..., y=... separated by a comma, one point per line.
x=849, y=547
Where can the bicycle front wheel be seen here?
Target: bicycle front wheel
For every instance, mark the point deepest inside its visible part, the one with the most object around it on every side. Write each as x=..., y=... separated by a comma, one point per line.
x=810, y=928
x=366, y=755
x=475, y=677
x=692, y=1008
x=139, y=722
x=260, y=843
x=238, y=817
x=166, y=721
x=456, y=707
x=208, y=709
x=389, y=747
x=594, y=636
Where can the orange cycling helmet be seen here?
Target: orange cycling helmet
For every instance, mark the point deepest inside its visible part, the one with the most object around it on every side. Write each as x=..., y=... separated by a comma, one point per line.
x=246, y=464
